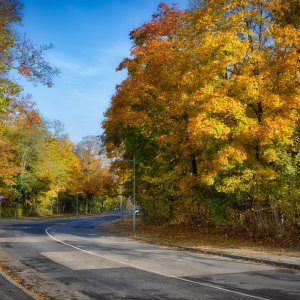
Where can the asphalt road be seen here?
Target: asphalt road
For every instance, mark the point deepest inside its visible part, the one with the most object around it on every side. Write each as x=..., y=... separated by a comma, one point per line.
x=69, y=259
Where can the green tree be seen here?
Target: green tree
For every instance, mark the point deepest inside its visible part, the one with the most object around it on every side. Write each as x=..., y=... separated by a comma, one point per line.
x=95, y=180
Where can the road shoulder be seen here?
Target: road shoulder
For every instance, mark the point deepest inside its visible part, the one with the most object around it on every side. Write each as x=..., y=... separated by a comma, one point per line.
x=280, y=257
x=11, y=289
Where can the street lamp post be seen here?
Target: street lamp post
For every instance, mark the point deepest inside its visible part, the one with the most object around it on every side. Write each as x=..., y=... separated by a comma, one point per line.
x=134, y=188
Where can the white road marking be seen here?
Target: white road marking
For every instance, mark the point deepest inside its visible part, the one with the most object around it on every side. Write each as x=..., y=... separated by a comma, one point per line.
x=154, y=272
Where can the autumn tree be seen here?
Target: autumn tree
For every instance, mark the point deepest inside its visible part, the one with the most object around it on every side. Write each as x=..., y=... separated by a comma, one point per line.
x=8, y=167
x=248, y=101
x=22, y=132
x=95, y=180
x=18, y=54
x=61, y=168
x=145, y=109
x=210, y=108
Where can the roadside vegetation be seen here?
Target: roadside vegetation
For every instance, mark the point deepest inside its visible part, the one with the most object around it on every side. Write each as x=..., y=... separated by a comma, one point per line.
x=210, y=110
x=206, y=238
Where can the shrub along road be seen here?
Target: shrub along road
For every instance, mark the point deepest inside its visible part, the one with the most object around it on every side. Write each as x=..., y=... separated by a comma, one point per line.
x=69, y=259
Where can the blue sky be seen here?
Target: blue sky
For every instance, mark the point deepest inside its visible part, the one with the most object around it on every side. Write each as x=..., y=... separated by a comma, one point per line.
x=90, y=39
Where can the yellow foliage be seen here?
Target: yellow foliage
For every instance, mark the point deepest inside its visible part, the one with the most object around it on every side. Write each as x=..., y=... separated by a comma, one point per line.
x=203, y=126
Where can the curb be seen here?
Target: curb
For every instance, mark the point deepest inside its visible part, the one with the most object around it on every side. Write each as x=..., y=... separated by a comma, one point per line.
x=210, y=252
x=19, y=286
x=223, y=254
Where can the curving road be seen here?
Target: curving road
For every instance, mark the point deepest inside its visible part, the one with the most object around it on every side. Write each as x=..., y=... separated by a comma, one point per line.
x=69, y=259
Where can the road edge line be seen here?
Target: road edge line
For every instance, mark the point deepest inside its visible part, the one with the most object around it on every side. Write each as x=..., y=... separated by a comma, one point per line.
x=216, y=287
